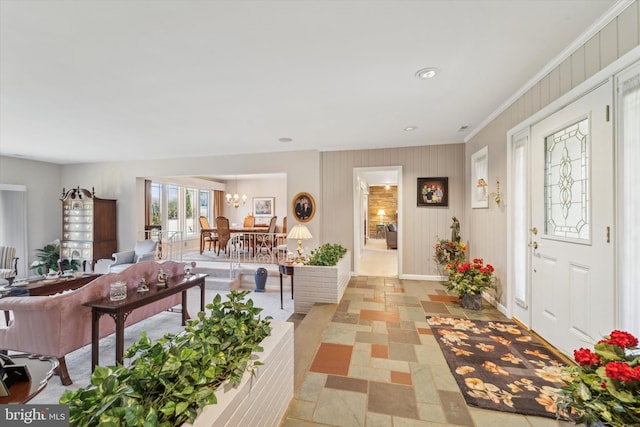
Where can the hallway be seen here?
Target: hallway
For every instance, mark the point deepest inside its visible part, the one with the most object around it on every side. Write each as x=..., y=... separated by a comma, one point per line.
x=377, y=363
x=377, y=260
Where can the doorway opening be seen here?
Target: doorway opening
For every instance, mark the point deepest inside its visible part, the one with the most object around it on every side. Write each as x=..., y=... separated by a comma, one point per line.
x=377, y=217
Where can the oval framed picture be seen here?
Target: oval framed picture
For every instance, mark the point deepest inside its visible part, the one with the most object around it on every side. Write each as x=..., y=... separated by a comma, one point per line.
x=303, y=207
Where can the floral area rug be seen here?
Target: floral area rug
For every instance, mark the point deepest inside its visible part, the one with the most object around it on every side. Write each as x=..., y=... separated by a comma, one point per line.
x=499, y=366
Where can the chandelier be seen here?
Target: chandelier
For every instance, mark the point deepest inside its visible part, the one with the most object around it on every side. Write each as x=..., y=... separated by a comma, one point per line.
x=235, y=199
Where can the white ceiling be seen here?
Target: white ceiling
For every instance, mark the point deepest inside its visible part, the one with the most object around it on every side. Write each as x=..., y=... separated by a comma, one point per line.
x=84, y=81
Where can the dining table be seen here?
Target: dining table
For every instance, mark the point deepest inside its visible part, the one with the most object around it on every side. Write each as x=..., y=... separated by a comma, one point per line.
x=214, y=230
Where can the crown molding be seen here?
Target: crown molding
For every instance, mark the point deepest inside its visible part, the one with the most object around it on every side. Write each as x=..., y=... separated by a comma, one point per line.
x=597, y=26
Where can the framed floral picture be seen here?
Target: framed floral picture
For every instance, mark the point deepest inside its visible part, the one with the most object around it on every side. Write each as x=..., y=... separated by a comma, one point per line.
x=433, y=191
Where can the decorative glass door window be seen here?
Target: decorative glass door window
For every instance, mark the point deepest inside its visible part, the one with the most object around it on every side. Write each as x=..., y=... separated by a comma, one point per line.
x=566, y=187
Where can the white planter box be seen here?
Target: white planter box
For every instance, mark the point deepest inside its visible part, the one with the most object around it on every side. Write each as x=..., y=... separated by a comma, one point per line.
x=261, y=400
x=313, y=284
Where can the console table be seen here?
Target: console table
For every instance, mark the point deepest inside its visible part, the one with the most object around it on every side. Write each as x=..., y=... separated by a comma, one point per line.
x=285, y=268
x=119, y=310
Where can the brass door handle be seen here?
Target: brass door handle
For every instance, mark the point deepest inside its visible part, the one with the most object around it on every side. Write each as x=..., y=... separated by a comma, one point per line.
x=533, y=245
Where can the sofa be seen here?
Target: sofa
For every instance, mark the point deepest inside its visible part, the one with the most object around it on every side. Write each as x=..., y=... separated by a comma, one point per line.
x=391, y=233
x=142, y=251
x=60, y=324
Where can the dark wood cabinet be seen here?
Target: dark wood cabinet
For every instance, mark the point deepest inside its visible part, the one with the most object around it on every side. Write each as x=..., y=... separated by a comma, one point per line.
x=88, y=227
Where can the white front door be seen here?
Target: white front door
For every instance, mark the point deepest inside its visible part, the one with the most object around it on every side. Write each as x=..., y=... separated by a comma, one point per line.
x=572, y=214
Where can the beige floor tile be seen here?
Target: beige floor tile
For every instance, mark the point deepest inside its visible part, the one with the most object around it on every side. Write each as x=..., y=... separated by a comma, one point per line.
x=487, y=418
x=311, y=386
x=431, y=412
x=291, y=422
x=301, y=409
x=455, y=408
x=338, y=335
x=547, y=422
x=361, y=355
x=378, y=420
x=423, y=384
x=371, y=374
x=341, y=408
x=379, y=327
x=391, y=365
x=443, y=379
x=407, y=422
x=411, y=313
x=399, y=351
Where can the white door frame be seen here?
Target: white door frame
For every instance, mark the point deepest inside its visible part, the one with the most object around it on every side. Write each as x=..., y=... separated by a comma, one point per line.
x=519, y=308
x=357, y=213
x=577, y=92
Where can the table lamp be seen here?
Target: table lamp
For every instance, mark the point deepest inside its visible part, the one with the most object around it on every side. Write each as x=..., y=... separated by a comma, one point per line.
x=381, y=215
x=299, y=232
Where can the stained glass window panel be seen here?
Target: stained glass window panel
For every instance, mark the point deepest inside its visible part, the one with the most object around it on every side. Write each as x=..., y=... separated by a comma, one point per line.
x=567, y=182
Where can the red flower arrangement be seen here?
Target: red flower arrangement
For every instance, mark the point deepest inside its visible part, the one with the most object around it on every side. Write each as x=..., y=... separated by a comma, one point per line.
x=471, y=278
x=605, y=387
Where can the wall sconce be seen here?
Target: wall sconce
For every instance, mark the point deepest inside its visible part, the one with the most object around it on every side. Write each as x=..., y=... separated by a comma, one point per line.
x=496, y=194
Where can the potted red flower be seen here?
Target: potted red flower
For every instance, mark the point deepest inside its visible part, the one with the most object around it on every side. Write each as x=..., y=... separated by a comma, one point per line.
x=469, y=280
x=605, y=386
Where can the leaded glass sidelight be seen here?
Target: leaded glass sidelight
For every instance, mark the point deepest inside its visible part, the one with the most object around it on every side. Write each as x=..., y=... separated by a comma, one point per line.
x=566, y=187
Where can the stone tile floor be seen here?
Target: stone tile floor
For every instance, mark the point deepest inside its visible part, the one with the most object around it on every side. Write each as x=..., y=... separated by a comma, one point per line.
x=378, y=365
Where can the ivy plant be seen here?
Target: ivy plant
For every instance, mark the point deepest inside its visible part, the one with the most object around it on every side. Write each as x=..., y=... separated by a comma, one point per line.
x=169, y=381
x=327, y=254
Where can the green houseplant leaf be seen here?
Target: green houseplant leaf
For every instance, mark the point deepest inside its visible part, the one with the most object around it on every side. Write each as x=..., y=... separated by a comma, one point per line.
x=169, y=381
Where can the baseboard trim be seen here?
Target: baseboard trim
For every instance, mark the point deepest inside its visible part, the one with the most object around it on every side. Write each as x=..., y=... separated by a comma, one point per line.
x=430, y=278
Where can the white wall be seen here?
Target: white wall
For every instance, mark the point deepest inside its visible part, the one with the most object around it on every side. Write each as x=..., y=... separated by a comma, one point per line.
x=263, y=187
x=44, y=208
x=122, y=181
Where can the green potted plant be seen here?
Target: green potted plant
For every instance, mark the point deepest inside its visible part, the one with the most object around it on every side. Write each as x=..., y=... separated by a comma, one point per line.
x=323, y=277
x=169, y=382
x=48, y=258
x=604, y=388
x=469, y=280
x=327, y=255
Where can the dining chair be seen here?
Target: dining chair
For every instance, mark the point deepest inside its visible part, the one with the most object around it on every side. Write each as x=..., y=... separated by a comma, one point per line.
x=206, y=236
x=249, y=222
x=224, y=234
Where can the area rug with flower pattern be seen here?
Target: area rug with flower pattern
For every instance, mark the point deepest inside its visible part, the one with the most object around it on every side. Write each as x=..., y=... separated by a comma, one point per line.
x=499, y=366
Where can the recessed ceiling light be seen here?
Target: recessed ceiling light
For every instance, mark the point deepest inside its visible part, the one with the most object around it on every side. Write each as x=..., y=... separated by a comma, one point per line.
x=410, y=128
x=285, y=139
x=426, y=73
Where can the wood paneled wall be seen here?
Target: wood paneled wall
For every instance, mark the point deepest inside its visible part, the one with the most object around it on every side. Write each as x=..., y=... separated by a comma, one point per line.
x=486, y=229
x=419, y=226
